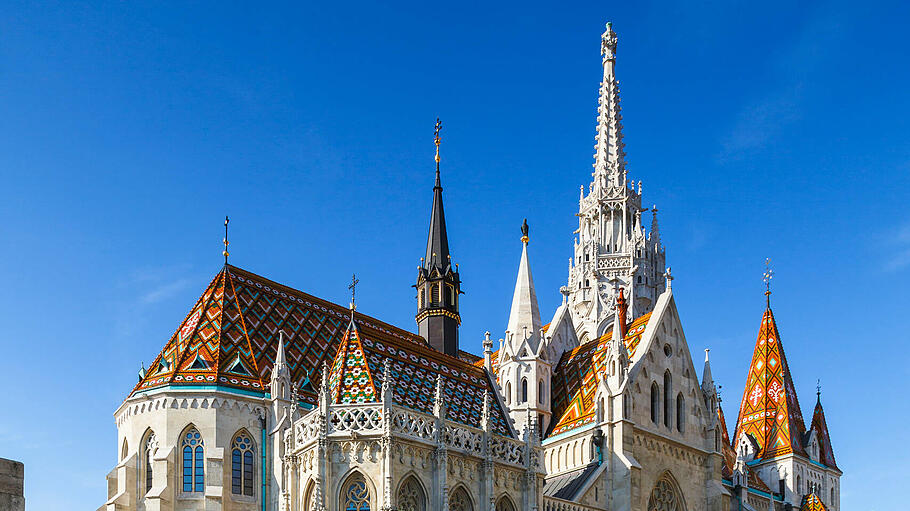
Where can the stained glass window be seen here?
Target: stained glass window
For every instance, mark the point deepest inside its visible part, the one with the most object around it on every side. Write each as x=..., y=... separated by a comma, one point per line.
x=242, y=472
x=356, y=496
x=193, y=462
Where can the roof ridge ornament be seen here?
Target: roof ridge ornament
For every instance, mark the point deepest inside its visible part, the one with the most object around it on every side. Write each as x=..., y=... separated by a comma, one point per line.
x=766, y=278
x=225, y=241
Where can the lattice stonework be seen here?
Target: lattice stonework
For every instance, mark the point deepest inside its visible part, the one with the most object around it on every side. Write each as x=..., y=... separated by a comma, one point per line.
x=576, y=376
x=230, y=339
x=769, y=411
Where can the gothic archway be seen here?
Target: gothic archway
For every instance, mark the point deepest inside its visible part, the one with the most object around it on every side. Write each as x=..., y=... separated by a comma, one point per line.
x=665, y=496
x=504, y=504
x=459, y=500
x=411, y=496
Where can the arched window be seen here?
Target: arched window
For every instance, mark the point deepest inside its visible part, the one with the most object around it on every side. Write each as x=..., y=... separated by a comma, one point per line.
x=782, y=487
x=668, y=389
x=832, y=496
x=680, y=413
x=459, y=500
x=151, y=445
x=799, y=485
x=665, y=496
x=540, y=394
x=509, y=393
x=524, y=390
x=411, y=496
x=242, y=472
x=124, y=450
x=309, y=497
x=355, y=494
x=655, y=403
x=504, y=504
x=193, y=464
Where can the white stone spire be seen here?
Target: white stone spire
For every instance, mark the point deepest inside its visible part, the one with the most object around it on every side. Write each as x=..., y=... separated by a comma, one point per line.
x=281, y=375
x=524, y=318
x=609, y=157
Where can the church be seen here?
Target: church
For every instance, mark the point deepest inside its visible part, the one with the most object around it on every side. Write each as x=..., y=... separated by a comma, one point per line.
x=267, y=398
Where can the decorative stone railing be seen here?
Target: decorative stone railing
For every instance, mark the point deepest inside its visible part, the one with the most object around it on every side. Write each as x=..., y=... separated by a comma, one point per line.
x=358, y=418
x=554, y=504
x=369, y=419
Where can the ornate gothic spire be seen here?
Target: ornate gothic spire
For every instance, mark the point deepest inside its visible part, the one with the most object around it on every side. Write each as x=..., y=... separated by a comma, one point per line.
x=524, y=317
x=437, y=240
x=609, y=155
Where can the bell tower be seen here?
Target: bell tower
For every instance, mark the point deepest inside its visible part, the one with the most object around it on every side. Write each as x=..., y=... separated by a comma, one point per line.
x=438, y=284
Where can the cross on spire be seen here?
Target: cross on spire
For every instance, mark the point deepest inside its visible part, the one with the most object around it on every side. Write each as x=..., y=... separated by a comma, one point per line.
x=353, y=288
x=225, y=252
x=766, y=278
x=818, y=389
x=436, y=139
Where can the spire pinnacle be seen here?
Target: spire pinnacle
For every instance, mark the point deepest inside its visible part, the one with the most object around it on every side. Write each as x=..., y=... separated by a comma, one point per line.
x=818, y=390
x=353, y=287
x=609, y=156
x=524, y=232
x=225, y=252
x=766, y=278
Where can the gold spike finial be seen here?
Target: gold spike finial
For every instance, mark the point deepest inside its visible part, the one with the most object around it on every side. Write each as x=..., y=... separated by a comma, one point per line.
x=436, y=138
x=225, y=252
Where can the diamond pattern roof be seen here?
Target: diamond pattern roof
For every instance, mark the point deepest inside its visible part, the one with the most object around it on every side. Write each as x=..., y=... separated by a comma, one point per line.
x=826, y=452
x=575, y=377
x=770, y=410
x=230, y=337
x=811, y=502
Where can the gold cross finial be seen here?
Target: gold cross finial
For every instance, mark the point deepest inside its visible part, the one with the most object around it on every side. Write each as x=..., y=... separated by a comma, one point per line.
x=353, y=288
x=436, y=138
x=225, y=252
x=766, y=278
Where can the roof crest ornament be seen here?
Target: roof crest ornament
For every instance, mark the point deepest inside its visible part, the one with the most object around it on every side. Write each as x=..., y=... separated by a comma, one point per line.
x=766, y=278
x=225, y=252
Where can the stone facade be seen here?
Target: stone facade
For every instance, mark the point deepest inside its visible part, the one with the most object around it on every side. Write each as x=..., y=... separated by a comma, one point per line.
x=12, y=485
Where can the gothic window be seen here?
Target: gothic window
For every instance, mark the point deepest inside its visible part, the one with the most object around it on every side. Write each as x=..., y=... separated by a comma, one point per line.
x=781, y=487
x=193, y=469
x=242, y=465
x=151, y=445
x=832, y=496
x=655, y=403
x=680, y=413
x=355, y=495
x=668, y=384
x=799, y=485
x=665, y=496
x=460, y=501
x=524, y=390
x=411, y=496
x=504, y=504
x=639, y=279
x=124, y=451
x=309, y=497
x=540, y=396
x=508, y=393
x=421, y=297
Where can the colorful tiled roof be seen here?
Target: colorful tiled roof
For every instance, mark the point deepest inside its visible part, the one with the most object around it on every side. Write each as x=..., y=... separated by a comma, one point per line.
x=825, y=451
x=811, y=502
x=350, y=380
x=230, y=338
x=575, y=378
x=729, y=457
x=769, y=411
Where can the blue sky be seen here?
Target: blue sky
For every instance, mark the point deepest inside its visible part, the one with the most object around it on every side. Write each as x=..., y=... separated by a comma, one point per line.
x=772, y=129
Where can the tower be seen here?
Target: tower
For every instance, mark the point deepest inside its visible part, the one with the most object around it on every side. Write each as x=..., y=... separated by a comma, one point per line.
x=438, y=284
x=525, y=372
x=612, y=249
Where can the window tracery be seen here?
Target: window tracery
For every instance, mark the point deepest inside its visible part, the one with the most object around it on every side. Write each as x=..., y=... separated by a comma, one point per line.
x=665, y=496
x=193, y=464
x=356, y=494
x=411, y=496
x=242, y=472
x=460, y=501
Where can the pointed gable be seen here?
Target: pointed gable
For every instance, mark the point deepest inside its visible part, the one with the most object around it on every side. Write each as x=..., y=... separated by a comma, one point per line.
x=577, y=374
x=811, y=502
x=820, y=426
x=769, y=411
x=350, y=380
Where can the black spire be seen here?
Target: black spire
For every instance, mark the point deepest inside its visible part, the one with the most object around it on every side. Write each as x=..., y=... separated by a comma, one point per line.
x=438, y=284
x=437, y=240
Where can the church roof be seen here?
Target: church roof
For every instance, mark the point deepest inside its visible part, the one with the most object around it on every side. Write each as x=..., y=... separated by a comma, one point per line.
x=350, y=380
x=575, y=377
x=811, y=502
x=229, y=339
x=769, y=411
x=820, y=426
x=567, y=484
x=729, y=456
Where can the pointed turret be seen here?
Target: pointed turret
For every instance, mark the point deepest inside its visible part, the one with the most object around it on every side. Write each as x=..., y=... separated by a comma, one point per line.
x=770, y=412
x=438, y=284
x=707, y=380
x=524, y=318
x=609, y=156
x=820, y=427
x=281, y=377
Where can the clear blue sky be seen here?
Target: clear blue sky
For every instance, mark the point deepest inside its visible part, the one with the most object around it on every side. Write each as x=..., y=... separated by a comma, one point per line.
x=127, y=132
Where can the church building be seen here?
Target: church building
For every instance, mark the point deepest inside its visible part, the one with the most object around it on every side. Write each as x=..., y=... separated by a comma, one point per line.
x=267, y=398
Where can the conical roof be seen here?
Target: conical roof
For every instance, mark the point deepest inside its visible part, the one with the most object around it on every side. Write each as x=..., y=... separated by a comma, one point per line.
x=769, y=411
x=820, y=426
x=524, y=316
x=350, y=380
x=812, y=502
x=437, y=239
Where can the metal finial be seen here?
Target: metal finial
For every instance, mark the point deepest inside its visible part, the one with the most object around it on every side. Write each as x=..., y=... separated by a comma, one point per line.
x=437, y=140
x=353, y=288
x=818, y=389
x=225, y=252
x=524, y=231
x=766, y=278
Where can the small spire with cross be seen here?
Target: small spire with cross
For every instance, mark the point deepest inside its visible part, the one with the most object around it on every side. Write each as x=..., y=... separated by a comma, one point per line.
x=766, y=278
x=353, y=288
x=437, y=140
x=225, y=252
x=818, y=389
